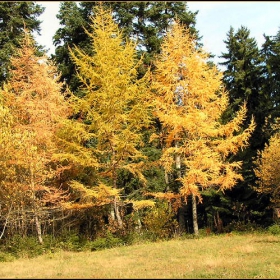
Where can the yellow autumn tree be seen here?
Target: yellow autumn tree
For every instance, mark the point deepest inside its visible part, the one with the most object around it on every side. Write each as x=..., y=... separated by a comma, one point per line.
x=188, y=100
x=113, y=110
x=268, y=166
x=6, y=190
x=33, y=97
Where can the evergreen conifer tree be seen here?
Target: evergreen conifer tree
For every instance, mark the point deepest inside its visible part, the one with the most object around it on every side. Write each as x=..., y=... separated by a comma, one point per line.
x=244, y=80
x=15, y=16
x=271, y=56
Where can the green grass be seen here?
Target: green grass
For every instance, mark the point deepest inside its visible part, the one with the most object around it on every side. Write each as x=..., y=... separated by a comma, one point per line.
x=233, y=256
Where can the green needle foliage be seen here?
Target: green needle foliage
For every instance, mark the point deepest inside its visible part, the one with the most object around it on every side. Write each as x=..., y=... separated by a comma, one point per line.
x=15, y=16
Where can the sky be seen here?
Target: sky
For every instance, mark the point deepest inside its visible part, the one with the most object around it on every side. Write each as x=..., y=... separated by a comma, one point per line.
x=213, y=21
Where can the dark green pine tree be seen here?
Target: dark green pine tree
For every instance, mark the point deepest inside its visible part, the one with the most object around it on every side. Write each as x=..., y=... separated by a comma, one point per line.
x=14, y=17
x=143, y=21
x=270, y=52
x=271, y=55
x=147, y=22
x=243, y=78
x=74, y=20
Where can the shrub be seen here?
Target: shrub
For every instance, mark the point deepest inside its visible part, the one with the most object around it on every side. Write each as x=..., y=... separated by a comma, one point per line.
x=160, y=224
x=6, y=257
x=109, y=241
x=274, y=229
x=27, y=246
x=72, y=241
x=241, y=226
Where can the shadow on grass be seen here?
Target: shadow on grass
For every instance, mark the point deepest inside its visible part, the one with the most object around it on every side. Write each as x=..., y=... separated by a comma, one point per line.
x=267, y=241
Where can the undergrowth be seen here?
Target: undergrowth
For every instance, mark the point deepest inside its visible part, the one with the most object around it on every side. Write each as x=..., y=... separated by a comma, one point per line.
x=29, y=247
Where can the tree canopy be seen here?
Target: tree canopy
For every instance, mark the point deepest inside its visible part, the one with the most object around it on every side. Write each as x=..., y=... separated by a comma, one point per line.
x=113, y=109
x=189, y=102
x=15, y=16
x=132, y=123
x=145, y=22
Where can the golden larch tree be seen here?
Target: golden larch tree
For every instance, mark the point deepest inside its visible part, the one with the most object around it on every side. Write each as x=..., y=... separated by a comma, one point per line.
x=33, y=97
x=267, y=166
x=189, y=100
x=113, y=107
x=7, y=190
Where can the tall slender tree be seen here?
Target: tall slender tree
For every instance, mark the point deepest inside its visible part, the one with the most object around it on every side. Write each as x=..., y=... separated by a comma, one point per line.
x=113, y=109
x=33, y=96
x=270, y=52
x=267, y=161
x=244, y=80
x=189, y=101
x=72, y=33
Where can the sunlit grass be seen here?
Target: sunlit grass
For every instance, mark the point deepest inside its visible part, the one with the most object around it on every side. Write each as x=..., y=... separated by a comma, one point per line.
x=217, y=256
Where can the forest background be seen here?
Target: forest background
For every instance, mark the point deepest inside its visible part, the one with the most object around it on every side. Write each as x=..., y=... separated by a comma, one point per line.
x=129, y=129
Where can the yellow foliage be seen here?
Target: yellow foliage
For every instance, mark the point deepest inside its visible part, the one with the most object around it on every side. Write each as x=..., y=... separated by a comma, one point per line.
x=33, y=97
x=114, y=109
x=77, y=206
x=189, y=100
x=267, y=169
x=174, y=199
x=141, y=204
x=93, y=196
x=166, y=195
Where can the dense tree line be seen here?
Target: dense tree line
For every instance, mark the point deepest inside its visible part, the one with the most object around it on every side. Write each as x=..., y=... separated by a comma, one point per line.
x=145, y=22
x=129, y=126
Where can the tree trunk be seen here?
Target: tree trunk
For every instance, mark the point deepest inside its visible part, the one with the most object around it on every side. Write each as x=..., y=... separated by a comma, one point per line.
x=139, y=226
x=181, y=210
x=112, y=212
x=6, y=222
x=37, y=222
x=117, y=213
x=218, y=223
x=194, y=212
x=38, y=228
x=181, y=218
x=166, y=178
x=178, y=161
x=167, y=189
x=115, y=203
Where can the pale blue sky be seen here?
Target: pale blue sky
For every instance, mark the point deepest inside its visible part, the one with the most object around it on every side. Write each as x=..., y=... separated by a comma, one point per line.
x=215, y=18
x=213, y=21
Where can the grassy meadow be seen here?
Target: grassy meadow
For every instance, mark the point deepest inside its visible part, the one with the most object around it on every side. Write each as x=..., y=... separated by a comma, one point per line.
x=215, y=256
